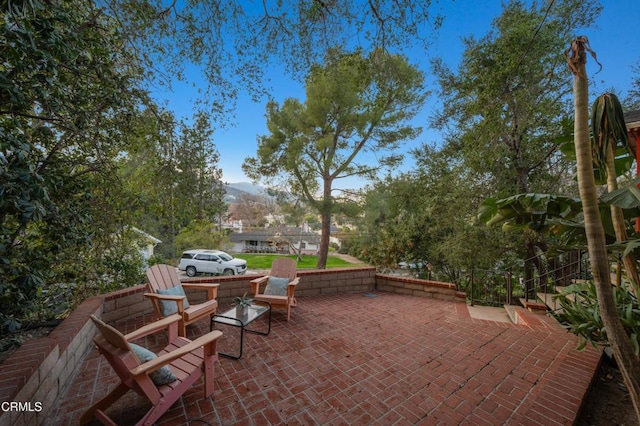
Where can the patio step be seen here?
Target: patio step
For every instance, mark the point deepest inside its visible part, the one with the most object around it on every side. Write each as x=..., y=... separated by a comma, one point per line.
x=489, y=313
x=533, y=306
x=511, y=311
x=553, y=305
x=547, y=299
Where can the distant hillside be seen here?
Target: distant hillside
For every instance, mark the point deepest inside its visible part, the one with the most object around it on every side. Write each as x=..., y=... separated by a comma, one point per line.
x=246, y=187
x=236, y=190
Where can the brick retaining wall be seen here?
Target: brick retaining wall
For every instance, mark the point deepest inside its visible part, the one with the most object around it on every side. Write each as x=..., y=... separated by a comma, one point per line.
x=40, y=369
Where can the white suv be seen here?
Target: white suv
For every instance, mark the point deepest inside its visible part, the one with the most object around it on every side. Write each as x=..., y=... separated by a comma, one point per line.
x=211, y=261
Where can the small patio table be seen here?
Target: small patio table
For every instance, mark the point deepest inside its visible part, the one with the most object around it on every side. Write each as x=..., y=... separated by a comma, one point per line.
x=230, y=317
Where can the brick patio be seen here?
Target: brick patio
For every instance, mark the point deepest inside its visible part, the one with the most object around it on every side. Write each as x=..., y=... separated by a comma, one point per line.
x=372, y=358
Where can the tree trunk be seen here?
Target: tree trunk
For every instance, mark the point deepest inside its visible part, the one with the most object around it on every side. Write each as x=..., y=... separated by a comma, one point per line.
x=324, y=240
x=618, y=339
x=617, y=219
x=325, y=214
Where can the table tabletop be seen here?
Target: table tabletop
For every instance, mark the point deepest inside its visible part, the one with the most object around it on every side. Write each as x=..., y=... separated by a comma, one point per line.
x=230, y=317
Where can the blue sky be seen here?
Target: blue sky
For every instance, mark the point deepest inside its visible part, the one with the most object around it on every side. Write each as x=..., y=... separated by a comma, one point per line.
x=614, y=38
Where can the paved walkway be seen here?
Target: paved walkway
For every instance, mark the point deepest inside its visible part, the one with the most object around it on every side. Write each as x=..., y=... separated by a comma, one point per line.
x=379, y=359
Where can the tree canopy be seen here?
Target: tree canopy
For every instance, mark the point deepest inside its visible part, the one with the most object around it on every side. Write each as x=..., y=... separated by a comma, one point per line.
x=234, y=43
x=65, y=102
x=509, y=98
x=356, y=104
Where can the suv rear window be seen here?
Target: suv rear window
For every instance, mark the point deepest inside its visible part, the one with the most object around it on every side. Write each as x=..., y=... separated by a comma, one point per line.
x=187, y=256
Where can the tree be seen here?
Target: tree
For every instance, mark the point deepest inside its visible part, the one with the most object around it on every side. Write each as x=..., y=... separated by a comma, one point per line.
x=250, y=209
x=509, y=96
x=172, y=168
x=429, y=215
x=510, y=93
x=620, y=342
x=235, y=43
x=355, y=105
x=67, y=90
x=201, y=178
x=633, y=99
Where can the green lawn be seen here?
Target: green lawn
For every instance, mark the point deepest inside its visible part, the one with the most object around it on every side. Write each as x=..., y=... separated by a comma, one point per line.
x=263, y=261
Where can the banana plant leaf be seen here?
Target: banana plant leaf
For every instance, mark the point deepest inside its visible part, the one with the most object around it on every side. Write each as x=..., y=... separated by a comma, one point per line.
x=557, y=216
x=627, y=198
x=623, y=158
x=527, y=210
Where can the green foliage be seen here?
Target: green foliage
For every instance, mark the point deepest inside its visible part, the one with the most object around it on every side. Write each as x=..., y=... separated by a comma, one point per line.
x=200, y=234
x=429, y=215
x=509, y=95
x=67, y=88
x=528, y=210
x=243, y=300
x=607, y=127
x=500, y=108
x=171, y=169
x=234, y=43
x=357, y=106
x=581, y=314
x=156, y=259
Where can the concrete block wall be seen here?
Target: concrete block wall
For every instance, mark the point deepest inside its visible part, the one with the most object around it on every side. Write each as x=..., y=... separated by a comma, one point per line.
x=417, y=287
x=126, y=303
x=230, y=287
x=334, y=281
x=312, y=283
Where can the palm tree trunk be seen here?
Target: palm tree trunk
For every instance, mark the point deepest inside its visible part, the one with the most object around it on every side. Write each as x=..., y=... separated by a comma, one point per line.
x=620, y=342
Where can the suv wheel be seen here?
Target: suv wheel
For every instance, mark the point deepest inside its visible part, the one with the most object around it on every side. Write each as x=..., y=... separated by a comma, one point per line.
x=227, y=272
x=191, y=271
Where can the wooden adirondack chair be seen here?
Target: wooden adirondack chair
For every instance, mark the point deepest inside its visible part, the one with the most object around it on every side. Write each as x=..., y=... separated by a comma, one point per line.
x=187, y=360
x=163, y=278
x=283, y=268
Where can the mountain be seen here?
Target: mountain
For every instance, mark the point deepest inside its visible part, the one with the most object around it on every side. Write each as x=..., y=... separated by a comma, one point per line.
x=246, y=187
x=236, y=190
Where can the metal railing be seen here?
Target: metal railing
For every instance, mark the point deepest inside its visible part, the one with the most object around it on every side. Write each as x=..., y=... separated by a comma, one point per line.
x=537, y=275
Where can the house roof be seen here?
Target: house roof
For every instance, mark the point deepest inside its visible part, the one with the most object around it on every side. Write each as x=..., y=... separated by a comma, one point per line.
x=149, y=237
x=632, y=120
x=269, y=234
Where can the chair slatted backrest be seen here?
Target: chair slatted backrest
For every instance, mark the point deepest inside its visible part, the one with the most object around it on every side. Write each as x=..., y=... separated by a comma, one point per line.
x=162, y=277
x=284, y=267
x=115, y=348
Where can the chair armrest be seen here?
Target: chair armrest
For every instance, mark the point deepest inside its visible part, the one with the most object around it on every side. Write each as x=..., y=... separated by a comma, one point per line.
x=291, y=287
x=160, y=297
x=260, y=280
x=200, y=285
x=154, y=327
x=212, y=288
x=164, y=296
x=165, y=359
x=255, y=284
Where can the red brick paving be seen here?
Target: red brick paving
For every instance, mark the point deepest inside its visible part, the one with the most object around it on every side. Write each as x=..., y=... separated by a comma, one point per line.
x=391, y=359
